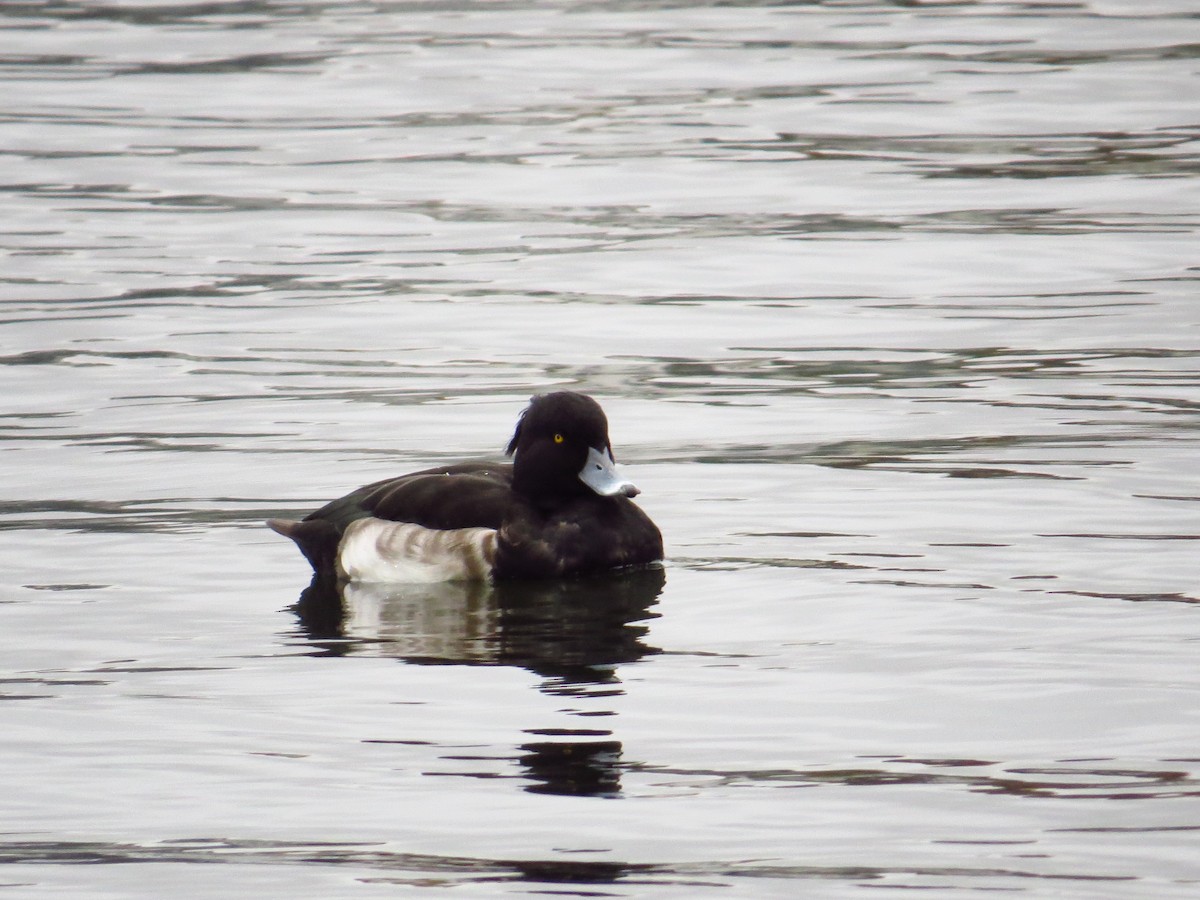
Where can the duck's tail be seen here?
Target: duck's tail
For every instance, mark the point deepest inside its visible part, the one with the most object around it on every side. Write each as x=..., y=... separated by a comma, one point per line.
x=317, y=539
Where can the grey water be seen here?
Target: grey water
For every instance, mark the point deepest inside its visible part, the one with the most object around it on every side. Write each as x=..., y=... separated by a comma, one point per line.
x=892, y=307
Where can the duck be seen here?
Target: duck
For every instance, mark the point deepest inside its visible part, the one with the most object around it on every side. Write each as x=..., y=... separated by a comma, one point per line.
x=559, y=509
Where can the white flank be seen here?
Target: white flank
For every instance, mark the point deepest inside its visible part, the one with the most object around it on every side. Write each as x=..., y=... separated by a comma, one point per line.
x=378, y=551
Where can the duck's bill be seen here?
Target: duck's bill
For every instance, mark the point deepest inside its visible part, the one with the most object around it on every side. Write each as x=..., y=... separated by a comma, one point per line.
x=600, y=473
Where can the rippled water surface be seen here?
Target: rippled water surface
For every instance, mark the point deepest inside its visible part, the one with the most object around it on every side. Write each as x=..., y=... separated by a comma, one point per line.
x=892, y=306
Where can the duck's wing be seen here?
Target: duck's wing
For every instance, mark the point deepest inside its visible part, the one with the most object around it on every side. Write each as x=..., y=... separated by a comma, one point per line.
x=466, y=495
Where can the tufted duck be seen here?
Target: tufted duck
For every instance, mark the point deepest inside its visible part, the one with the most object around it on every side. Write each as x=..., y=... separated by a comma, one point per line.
x=559, y=509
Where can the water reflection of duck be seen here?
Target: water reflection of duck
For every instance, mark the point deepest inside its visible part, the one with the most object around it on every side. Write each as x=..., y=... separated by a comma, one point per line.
x=560, y=509
x=573, y=633
x=573, y=630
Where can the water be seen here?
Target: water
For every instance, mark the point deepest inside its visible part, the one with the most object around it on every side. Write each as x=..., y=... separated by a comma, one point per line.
x=893, y=311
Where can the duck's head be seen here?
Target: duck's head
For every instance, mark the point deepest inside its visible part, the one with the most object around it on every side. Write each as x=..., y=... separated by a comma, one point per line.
x=562, y=450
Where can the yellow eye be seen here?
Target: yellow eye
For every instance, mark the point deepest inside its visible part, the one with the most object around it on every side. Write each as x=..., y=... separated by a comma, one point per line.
x=558, y=438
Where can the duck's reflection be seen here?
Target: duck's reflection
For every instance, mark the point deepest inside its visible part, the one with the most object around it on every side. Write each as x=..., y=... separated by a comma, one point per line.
x=573, y=769
x=574, y=634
